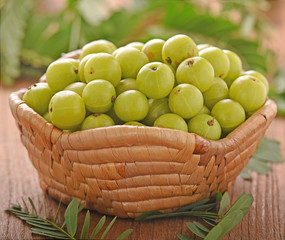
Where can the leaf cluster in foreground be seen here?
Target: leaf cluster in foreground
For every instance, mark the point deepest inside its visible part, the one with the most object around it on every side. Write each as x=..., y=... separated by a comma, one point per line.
x=50, y=228
x=216, y=223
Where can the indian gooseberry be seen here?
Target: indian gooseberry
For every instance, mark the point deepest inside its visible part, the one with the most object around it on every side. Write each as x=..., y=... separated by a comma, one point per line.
x=76, y=87
x=218, y=59
x=118, y=50
x=99, y=96
x=249, y=91
x=229, y=113
x=202, y=46
x=185, y=100
x=102, y=66
x=126, y=84
x=137, y=45
x=131, y=105
x=205, y=110
x=218, y=91
x=260, y=76
x=197, y=71
x=157, y=107
x=152, y=49
x=66, y=110
x=113, y=115
x=98, y=46
x=206, y=126
x=155, y=80
x=47, y=117
x=61, y=73
x=81, y=66
x=172, y=121
x=235, y=67
x=131, y=61
x=38, y=97
x=134, y=123
x=97, y=120
x=178, y=48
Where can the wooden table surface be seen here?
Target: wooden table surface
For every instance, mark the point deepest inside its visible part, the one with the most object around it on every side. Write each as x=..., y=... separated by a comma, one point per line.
x=18, y=178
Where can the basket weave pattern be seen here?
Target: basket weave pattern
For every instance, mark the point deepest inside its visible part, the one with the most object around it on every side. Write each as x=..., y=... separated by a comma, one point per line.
x=128, y=170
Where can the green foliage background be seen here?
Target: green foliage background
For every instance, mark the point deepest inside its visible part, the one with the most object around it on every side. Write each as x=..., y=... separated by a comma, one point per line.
x=31, y=39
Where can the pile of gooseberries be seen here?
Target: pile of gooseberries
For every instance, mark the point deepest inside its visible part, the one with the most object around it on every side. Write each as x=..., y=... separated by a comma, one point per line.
x=173, y=84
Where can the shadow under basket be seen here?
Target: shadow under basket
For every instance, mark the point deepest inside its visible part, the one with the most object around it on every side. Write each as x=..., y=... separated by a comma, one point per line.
x=128, y=170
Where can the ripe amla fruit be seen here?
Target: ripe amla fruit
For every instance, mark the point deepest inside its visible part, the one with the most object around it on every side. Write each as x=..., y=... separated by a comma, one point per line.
x=235, y=67
x=218, y=91
x=249, y=91
x=102, y=66
x=172, y=121
x=229, y=113
x=178, y=48
x=197, y=71
x=152, y=49
x=131, y=105
x=186, y=100
x=155, y=80
x=66, y=110
x=260, y=76
x=131, y=61
x=61, y=73
x=218, y=59
x=97, y=120
x=99, y=95
x=126, y=84
x=38, y=97
x=157, y=107
x=98, y=46
x=206, y=126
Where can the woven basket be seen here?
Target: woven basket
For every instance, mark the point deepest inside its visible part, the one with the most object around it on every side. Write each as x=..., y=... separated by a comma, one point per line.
x=127, y=170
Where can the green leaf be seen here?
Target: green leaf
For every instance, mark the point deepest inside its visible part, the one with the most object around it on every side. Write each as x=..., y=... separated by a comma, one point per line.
x=42, y=226
x=267, y=151
x=49, y=233
x=245, y=174
x=224, y=203
x=125, y=234
x=193, y=205
x=57, y=211
x=98, y=227
x=243, y=202
x=225, y=225
x=196, y=230
x=183, y=237
x=210, y=222
x=81, y=207
x=85, y=228
x=146, y=215
x=259, y=166
x=201, y=226
x=33, y=205
x=205, y=207
x=70, y=215
x=108, y=228
x=15, y=206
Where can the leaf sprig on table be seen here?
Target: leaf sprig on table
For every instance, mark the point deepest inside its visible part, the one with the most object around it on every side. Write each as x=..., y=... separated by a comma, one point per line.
x=216, y=223
x=268, y=151
x=49, y=228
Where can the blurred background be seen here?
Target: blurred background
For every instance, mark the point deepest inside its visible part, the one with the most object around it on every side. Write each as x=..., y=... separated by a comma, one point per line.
x=36, y=32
